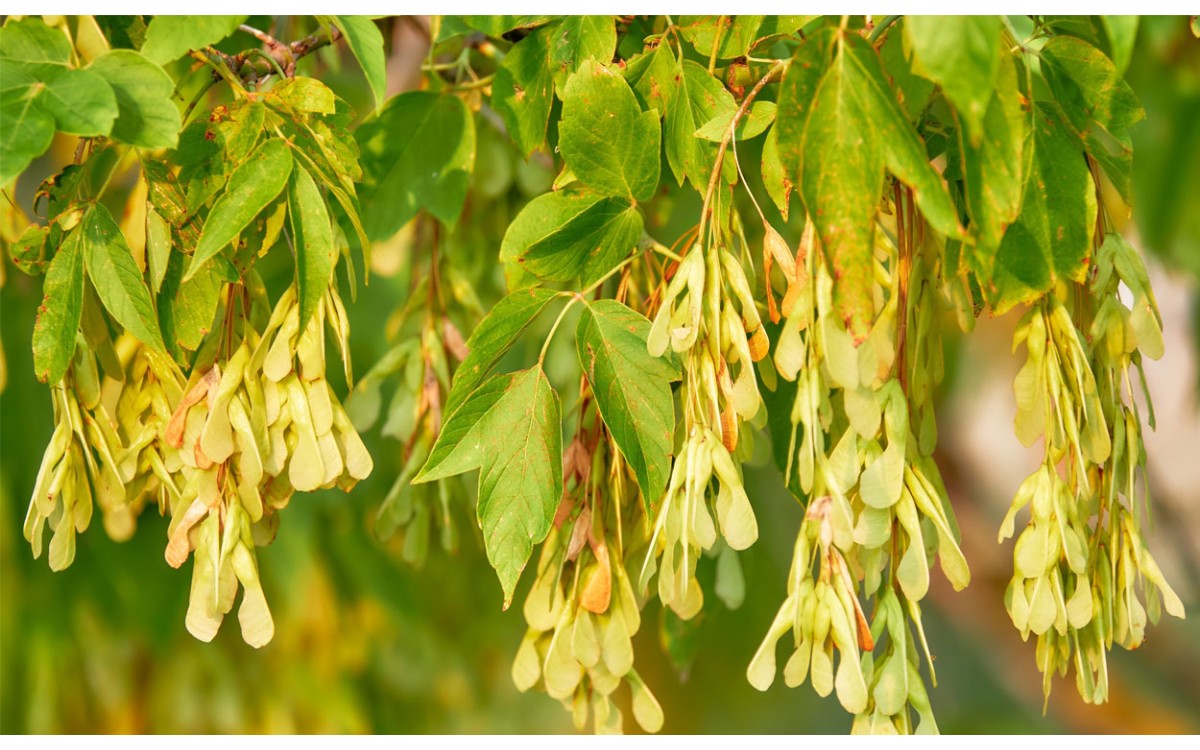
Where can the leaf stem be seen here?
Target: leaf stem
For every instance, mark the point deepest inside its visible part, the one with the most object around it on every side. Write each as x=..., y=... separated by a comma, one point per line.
x=577, y=296
x=112, y=172
x=775, y=71
x=187, y=114
x=881, y=27
x=557, y=321
x=662, y=249
x=712, y=60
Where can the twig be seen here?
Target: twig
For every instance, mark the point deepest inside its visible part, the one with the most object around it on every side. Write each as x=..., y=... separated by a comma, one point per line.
x=737, y=116
x=283, y=56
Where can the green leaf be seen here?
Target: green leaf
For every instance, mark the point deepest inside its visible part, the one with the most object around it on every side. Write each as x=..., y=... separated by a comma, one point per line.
x=116, y=277
x=732, y=35
x=59, y=314
x=242, y=130
x=31, y=40
x=697, y=98
x=1088, y=86
x=1052, y=237
x=904, y=151
x=417, y=153
x=605, y=138
x=1117, y=164
x=632, y=389
x=304, y=95
x=912, y=89
x=523, y=91
x=774, y=27
x=842, y=183
x=992, y=169
x=312, y=238
x=579, y=38
x=124, y=32
x=756, y=120
x=170, y=37
x=962, y=55
x=147, y=116
x=492, y=339
x=783, y=152
x=366, y=42
x=1122, y=34
x=252, y=186
x=855, y=128
x=520, y=479
x=28, y=129
x=511, y=431
x=81, y=102
x=652, y=76
x=459, y=446
x=559, y=236
x=158, y=247
x=187, y=309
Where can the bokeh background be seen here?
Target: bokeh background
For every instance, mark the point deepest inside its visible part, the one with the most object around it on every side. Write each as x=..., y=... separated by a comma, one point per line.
x=367, y=643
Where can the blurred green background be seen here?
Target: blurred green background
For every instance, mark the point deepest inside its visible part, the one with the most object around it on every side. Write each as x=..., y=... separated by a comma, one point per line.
x=365, y=643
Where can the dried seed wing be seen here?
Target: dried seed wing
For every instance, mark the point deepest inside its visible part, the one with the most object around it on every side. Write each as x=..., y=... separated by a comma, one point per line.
x=258, y=628
x=175, y=427
x=178, y=546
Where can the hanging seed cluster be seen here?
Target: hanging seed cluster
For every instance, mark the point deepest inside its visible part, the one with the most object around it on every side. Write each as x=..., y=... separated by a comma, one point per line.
x=878, y=512
x=177, y=382
x=251, y=430
x=104, y=448
x=414, y=417
x=1083, y=577
x=708, y=316
x=582, y=610
x=223, y=449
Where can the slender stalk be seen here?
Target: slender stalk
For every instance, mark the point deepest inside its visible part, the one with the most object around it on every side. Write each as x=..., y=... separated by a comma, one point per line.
x=187, y=114
x=557, y=321
x=576, y=297
x=881, y=27
x=775, y=71
x=712, y=60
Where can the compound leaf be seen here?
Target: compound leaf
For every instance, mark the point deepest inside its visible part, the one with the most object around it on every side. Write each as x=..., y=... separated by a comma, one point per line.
x=605, y=138
x=417, y=153
x=510, y=430
x=559, y=236
x=493, y=337
x=632, y=389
